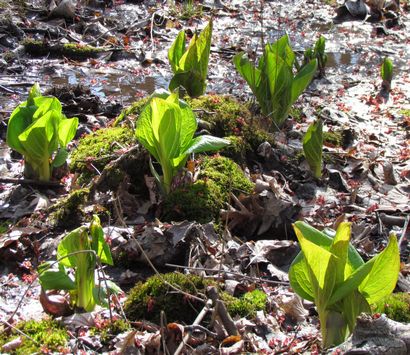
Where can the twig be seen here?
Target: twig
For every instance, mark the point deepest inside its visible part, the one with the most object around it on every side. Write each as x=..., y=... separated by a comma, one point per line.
x=19, y=331
x=197, y=320
x=54, y=184
x=404, y=232
x=250, y=278
x=221, y=311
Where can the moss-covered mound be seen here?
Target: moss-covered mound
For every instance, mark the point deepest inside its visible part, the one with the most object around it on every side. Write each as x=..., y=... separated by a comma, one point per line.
x=147, y=300
x=97, y=149
x=229, y=118
x=50, y=336
x=68, y=212
x=396, y=307
x=203, y=200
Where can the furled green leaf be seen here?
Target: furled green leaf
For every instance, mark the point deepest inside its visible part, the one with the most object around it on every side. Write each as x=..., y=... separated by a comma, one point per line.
x=340, y=247
x=98, y=244
x=313, y=146
x=176, y=51
x=386, y=70
x=71, y=243
x=352, y=306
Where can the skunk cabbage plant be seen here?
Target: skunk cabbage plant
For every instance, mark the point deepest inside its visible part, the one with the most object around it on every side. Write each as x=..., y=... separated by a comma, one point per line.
x=331, y=273
x=272, y=82
x=386, y=72
x=39, y=131
x=166, y=128
x=190, y=65
x=79, y=250
x=318, y=53
x=313, y=146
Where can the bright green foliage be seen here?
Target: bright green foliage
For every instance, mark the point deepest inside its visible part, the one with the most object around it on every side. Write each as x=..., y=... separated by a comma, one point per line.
x=166, y=128
x=51, y=336
x=39, y=131
x=190, y=65
x=79, y=250
x=318, y=53
x=331, y=273
x=386, y=72
x=396, y=306
x=313, y=146
x=272, y=82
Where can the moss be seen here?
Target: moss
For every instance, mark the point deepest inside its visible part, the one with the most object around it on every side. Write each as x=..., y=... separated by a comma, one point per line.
x=228, y=117
x=297, y=114
x=203, y=200
x=405, y=112
x=247, y=305
x=71, y=50
x=97, y=149
x=4, y=226
x=396, y=307
x=146, y=300
x=133, y=110
x=50, y=336
x=333, y=138
x=69, y=211
x=108, y=330
x=78, y=51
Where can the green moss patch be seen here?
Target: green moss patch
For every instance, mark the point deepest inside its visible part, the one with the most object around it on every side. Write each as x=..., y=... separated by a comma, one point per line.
x=396, y=307
x=227, y=117
x=48, y=335
x=203, y=200
x=333, y=138
x=68, y=212
x=70, y=50
x=98, y=149
x=147, y=300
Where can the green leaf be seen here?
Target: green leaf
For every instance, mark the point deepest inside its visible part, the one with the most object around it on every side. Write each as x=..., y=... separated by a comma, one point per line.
x=386, y=70
x=33, y=93
x=303, y=79
x=66, y=130
x=99, y=245
x=206, y=143
x=73, y=242
x=382, y=278
x=298, y=272
x=192, y=68
x=55, y=279
x=352, y=306
x=60, y=158
x=176, y=51
x=340, y=247
x=313, y=146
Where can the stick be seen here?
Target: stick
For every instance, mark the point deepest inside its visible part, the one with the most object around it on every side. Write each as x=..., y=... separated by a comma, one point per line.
x=197, y=320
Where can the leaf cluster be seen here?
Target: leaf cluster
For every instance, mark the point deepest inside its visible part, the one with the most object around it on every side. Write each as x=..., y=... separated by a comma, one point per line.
x=166, y=128
x=272, y=81
x=79, y=251
x=190, y=65
x=331, y=273
x=39, y=131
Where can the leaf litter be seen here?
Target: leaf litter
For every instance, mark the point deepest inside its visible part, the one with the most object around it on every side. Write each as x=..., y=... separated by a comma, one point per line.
x=366, y=175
